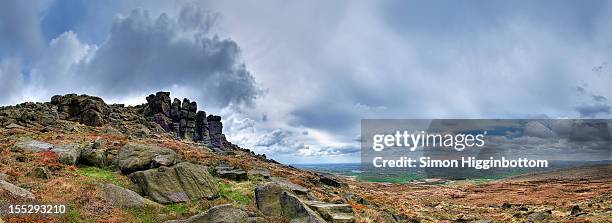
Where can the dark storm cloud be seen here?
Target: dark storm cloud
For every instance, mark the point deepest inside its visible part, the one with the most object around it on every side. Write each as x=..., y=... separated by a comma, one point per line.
x=592, y=110
x=144, y=53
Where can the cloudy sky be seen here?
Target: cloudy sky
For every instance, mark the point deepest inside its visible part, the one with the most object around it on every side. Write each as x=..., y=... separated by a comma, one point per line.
x=292, y=79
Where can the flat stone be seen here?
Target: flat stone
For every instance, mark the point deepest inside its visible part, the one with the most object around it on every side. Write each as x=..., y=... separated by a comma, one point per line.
x=31, y=145
x=336, y=213
x=259, y=172
x=290, y=186
x=15, y=190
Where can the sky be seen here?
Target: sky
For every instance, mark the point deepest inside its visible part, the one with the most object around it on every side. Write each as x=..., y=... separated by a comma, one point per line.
x=293, y=79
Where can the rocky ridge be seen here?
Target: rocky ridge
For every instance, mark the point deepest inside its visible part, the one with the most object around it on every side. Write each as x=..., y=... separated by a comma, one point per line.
x=138, y=144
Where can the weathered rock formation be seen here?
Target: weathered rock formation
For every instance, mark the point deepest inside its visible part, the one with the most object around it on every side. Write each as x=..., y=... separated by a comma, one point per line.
x=184, y=120
x=179, y=183
x=159, y=114
x=134, y=157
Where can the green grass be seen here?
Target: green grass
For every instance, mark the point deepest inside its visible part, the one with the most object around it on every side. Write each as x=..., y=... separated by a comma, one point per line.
x=101, y=175
x=144, y=215
x=178, y=208
x=235, y=192
x=73, y=215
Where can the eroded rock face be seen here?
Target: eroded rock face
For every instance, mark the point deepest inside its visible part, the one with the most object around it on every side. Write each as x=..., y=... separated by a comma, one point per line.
x=87, y=110
x=134, y=157
x=179, y=183
x=181, y=118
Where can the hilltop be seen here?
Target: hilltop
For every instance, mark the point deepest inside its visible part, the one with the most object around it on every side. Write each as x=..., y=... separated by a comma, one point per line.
x=169, y=161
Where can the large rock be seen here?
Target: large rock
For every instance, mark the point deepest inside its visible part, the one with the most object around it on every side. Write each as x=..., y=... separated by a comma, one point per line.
x=15, y=190
x=216, y=131
x=124, y=198
x=231, y=173
x=336, y=213
x=95, y=154
x=68, y=154
x=219, y=214
x=179, y=183
x=31, y=145
x=134, y=157
x=295, y=209
x=202, y=131
x=267, y=198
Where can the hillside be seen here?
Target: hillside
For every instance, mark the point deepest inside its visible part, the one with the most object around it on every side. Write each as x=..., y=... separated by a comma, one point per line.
x=167, y=161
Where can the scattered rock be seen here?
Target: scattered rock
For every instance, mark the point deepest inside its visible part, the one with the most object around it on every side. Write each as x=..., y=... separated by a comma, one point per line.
x=41, y=172
x=68, y=154
x=179, y=183
x=134, y=157
x=356, y=198
x=124, y=198
x=336, y=213
x=290, y=186
x=267, y=198
x=231, y=173
x=506, y=205
x=259, y=172
x=218, y=214
x=331, y=181
x=575, y=210
x=31, y=145
x=297, y=211
x=14, y=126
x=15, y=190
x=538, y=216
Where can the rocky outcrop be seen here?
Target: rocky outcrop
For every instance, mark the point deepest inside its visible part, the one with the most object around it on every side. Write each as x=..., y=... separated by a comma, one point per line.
x=181, y=118
x=87, y=110
x=15, y=190
x=217, y=137
x=134, y=157
x=179, y=183
x=218, y=214
x=123, y=198
x=297, y=189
